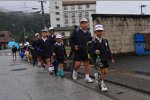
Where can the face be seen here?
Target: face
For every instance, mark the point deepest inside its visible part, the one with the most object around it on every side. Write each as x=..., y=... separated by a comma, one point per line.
x=51, y=31
x=44, y=34
x=99, y=33
x=58, y=40
x=37, y=36
x=84, y=25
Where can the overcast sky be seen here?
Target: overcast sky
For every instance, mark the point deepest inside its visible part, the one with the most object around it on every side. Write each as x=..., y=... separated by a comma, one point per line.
x=103, y=7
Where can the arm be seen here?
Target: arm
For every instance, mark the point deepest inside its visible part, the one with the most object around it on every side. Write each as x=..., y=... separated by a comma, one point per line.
x=71, y=40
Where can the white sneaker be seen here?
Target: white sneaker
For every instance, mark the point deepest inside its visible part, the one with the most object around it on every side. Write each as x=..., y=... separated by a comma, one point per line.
x=42, y=69
x=96, y=77
x=50, y=70
x=74, y=75
x=103, y=87
x=89, y=80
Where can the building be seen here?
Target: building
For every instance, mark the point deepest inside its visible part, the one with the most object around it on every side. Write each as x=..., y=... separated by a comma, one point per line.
x=120, y=30
x=5, y=37
x=67, y=13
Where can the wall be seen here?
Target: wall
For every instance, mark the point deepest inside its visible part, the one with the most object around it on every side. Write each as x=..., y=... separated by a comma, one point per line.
x=120, y=29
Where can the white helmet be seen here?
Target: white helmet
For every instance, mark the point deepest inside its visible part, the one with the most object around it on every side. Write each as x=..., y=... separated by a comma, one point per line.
x=51, y=28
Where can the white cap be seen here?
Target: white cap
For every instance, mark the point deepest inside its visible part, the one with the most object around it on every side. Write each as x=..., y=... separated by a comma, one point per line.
x=98, y=27
x=83, y=20
x=36, y=34
x=44, y=30
x=27, y=43
x=58, y=36
x=51, y=28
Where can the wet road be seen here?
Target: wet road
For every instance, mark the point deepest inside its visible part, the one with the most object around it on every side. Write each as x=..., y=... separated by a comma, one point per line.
x=20, y=81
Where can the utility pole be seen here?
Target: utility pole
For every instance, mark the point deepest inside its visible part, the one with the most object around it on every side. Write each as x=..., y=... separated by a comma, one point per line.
x=142, y=9
x=42, y=9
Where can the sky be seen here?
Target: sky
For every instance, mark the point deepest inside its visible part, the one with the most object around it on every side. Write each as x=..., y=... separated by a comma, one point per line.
x=103, y=7
x=24, y=5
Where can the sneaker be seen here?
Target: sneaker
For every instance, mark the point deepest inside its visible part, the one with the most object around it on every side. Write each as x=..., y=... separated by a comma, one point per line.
x=89, y=80
x=74, y=75
x=42, y=69
x=96, y=77
x=104, y=88
x=50, y=70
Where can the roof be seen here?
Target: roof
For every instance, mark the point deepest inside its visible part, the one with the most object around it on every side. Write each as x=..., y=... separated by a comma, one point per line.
x=63, y=28
x=120, y=15
x=78, y=2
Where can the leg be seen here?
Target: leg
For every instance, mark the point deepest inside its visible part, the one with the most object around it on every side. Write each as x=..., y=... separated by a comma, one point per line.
x=87, y=71
x=77, y=65
x=48, y=62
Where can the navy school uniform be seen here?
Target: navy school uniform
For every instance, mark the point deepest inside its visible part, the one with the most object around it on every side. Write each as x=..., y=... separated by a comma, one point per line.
x=59, y=50
x=103, y=46
x=80, y=38
x=45, y=48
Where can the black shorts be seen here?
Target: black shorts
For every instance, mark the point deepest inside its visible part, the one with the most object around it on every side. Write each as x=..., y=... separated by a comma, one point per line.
x=14, y=51
x=105, y=64
x=79, y=57
x=60, y=61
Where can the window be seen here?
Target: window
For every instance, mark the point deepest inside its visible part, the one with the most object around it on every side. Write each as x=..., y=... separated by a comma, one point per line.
x=80, y=7
x=2, y=35
x=73, y=20
x=73, y=14
x=65, y=7
x=58, y=19
x=58, y=25
x=57, y=13
x=72, y=7
x=65, y=14
x=66, y=21
x=56, y=7
x=80, y=14
x=87, y=6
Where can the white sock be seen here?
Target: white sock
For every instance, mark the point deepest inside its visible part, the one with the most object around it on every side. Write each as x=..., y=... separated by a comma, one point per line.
x=102, y=81
x=39, y=64
x=86, y=75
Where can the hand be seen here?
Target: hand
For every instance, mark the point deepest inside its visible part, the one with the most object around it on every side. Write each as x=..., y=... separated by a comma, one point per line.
x=97, y=52
x=113, y=61
x=54, y=54
x=76, y=47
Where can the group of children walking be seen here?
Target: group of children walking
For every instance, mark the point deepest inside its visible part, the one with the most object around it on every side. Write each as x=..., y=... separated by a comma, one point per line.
x=49, y=50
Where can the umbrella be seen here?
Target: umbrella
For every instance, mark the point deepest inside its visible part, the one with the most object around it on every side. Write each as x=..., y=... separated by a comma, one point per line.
x=11, y=43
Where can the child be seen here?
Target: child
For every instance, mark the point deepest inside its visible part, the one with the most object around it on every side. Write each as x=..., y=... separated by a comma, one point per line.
x=60, y=53
x=100, y=48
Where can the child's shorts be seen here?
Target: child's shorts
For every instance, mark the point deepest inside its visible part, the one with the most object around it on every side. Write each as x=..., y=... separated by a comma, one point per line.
x=105, y=64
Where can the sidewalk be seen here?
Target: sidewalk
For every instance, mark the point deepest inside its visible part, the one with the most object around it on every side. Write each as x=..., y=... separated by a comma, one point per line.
x=125, y=78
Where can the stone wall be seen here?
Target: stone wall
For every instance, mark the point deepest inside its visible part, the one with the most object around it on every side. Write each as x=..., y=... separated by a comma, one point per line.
x=120, y=29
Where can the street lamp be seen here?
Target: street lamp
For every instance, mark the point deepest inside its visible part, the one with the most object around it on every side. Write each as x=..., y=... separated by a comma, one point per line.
x=142, y=8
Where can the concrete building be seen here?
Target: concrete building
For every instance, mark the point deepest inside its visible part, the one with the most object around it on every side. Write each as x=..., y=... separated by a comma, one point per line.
x=67, y=13
x=120, y=29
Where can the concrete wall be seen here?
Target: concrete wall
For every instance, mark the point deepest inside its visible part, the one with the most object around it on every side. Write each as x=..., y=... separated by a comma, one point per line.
x=120, y=29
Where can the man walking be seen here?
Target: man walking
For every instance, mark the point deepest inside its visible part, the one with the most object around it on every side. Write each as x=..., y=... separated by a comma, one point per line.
x=78, y=41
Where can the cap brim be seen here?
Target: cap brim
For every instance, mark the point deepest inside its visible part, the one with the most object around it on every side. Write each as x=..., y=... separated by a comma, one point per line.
x=100, y=29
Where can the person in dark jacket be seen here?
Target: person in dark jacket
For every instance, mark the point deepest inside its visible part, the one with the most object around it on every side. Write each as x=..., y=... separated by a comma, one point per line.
x=60, y=53
x=45, y=51
x=78, y=41
x=52, y=36
x=14, y=51
x=37, y=51
x=100, y=48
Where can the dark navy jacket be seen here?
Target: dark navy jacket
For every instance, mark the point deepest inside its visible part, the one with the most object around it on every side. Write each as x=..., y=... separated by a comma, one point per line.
x=45, y=48
x=80, y=38
x=105, y=52
x=60, y=51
